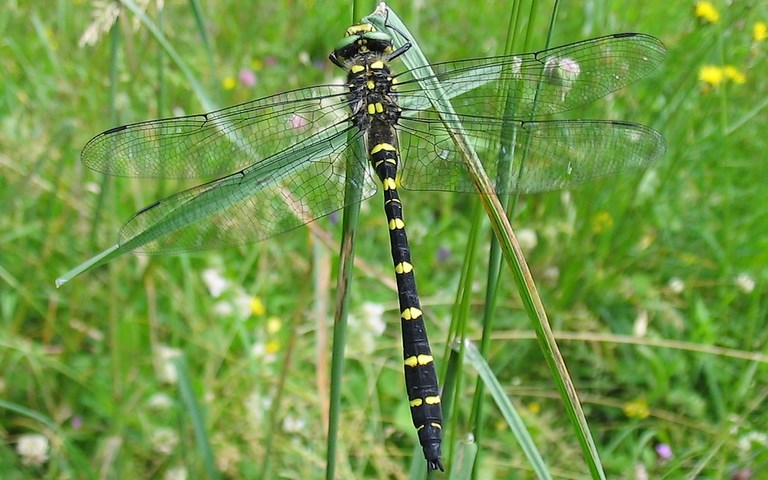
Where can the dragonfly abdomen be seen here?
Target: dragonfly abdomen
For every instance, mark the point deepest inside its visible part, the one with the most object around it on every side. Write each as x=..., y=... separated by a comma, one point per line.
x=420, y=376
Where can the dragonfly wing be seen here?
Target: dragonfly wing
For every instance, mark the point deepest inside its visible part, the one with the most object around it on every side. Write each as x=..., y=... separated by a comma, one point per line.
x=538, y=83
x=539, y=156
x=219, y=142
x=278, y=194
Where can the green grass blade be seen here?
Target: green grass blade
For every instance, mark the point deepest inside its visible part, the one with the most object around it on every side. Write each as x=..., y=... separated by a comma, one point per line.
x=463, y=464
x=353, y=195
x=508, y=411
x=512, y=253
x=200, y=22
x=197, y=87
x=196, y=417
x=494, y=255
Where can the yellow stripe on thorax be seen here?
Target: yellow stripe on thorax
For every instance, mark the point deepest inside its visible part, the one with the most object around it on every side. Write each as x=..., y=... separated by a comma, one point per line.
x=383, y=146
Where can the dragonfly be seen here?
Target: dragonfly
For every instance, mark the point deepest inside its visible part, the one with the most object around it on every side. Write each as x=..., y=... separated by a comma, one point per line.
x=279, y=162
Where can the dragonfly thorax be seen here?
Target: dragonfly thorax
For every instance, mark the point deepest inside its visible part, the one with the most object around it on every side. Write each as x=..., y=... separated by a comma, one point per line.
x=365, y=54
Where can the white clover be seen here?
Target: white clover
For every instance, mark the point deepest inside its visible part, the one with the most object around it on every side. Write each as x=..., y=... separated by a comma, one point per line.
x=745, y=282
x=166, y=370
x=293, y=424
x=527, y=239
x=562, y=72
x=160, y=402
x=223, y=309
x=164, y=440
x=176, y=473
x=32, y=448
x=676, y=285
x=215, y=282
x=243, y=304
x=640, y=327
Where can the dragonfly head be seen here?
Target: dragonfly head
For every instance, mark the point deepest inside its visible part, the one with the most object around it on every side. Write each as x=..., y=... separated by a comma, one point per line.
x=360, y=39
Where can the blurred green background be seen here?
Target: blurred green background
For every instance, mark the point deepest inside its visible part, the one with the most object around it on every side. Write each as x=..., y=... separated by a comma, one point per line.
x=654, y=282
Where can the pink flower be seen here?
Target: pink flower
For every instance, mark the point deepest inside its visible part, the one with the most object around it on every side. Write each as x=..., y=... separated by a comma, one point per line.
x=247, y=77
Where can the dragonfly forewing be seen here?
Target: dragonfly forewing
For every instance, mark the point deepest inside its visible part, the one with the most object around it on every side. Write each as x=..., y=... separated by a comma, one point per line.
x=284, y=192
x=219, y=142
x=538, y=83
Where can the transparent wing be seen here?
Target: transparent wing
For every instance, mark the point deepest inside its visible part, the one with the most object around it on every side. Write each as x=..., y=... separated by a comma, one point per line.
x=219, y=142
x=271, y=197
x=539, y=156
x=544, y=155
x=539, y=83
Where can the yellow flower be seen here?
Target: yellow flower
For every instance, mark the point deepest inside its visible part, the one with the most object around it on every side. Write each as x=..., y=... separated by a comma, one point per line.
x=257, y=306
x=229, y=83
x=534, y=407
x=760, y=31
x=707, y=12
x=257, y=65
x=272, y=347
x=637, y=409
x=711, y=75
x=733, y=74
x=602, y=222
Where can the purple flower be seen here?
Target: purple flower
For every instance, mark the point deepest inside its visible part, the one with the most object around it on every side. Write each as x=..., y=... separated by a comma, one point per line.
x=743, y=474
x=76, y=422
x=664, y=451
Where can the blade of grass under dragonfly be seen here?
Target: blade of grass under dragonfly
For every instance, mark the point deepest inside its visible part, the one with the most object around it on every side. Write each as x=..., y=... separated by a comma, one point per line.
x=509, y=245
x=353, y=193
x=495, y=254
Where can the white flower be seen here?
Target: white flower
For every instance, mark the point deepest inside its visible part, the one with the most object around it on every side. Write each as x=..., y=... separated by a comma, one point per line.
x=551, y=274
x=159, y=401
x=242, y=304
x=640, y=327
x=745, y=282
x=676, y=285
x=641, y=472
x=223, y=309
x=175, y=473
x=215, y=282
x=372, y=317
x=166, y=370
x=32, y=448
x=747, y=441
x=366, y=328
x=562, y=72
x=292, y=424
x=257, y=406
x=164, y=440
x=527, y=239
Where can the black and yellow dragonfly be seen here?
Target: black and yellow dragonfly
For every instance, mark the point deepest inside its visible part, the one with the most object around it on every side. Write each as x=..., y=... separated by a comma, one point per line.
x=279, y=161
